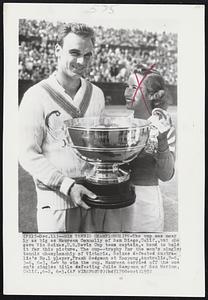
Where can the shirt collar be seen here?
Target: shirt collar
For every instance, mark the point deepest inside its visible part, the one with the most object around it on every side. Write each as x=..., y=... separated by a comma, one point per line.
x=56, y=84
x=77, y=98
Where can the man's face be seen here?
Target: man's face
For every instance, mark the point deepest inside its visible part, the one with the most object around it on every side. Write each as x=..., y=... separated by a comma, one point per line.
x=75, y=55
x=134, y=98
x=133, y=101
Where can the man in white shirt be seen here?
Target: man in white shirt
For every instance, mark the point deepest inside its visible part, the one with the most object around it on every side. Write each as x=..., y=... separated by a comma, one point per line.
x=43, y=149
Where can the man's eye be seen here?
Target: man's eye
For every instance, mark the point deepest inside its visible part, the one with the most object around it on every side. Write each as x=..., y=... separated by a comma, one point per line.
x=74, y=53
x=133, y=87
x=88, y=55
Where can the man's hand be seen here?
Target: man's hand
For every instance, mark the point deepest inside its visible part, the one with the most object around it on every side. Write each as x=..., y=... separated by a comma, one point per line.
x=160, y=120
x=77, y=192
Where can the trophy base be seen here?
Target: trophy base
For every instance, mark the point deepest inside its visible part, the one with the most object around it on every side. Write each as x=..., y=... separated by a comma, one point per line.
x=110, y=196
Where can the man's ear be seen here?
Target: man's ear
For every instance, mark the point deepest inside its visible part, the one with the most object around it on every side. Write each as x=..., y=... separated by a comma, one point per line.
x=157, y=95
x=58, y=49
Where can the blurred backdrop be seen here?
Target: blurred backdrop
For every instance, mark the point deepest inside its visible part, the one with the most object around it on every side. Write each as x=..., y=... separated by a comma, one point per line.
x=117, y=51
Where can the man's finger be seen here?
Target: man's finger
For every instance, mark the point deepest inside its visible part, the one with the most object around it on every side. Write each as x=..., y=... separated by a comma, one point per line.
x=87, y=192
x=84, y=205
x=81, y=203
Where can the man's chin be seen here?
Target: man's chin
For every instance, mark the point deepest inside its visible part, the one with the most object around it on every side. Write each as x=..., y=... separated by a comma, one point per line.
x=75, y=74
x=129, y=105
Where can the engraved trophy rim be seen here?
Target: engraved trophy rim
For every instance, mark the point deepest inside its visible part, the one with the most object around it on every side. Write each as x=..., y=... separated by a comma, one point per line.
x=71, y=123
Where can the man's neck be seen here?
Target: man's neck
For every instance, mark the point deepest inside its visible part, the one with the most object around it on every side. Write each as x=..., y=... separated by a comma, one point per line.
x=142, y=114
x=70, y=84
x=144, y=111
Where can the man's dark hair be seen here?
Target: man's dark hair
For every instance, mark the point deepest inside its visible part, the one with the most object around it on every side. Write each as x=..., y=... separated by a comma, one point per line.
x=154, y=86
x=77, y=28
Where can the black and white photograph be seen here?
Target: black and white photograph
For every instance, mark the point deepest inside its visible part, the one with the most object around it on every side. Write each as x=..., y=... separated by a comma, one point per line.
x=103, y=177
x=98, y=124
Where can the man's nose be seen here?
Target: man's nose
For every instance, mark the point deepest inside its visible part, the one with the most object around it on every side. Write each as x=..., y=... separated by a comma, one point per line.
x=128, y=92
x=80, y=60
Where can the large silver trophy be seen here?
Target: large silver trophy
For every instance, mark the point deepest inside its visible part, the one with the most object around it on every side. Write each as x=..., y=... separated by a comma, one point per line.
x=107, y=142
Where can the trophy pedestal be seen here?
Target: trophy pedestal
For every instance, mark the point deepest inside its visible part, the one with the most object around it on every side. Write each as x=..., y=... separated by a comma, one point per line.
x=110, y=195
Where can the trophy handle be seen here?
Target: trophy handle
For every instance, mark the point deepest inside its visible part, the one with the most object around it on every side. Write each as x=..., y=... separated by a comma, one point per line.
x=152, y=142
x=159, y=112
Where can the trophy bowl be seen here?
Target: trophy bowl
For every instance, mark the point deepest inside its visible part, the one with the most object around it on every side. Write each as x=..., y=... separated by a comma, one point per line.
x=106, y=143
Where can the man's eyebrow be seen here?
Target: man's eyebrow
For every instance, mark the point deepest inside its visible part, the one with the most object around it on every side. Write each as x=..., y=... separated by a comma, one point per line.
x=74, y=50
x=79, y=52
x=88, y=53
